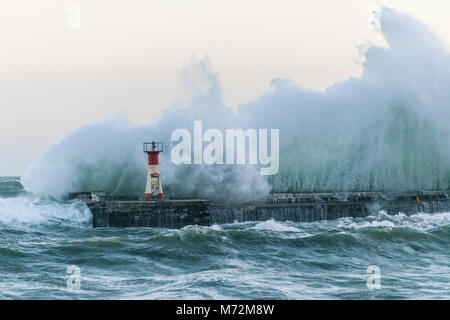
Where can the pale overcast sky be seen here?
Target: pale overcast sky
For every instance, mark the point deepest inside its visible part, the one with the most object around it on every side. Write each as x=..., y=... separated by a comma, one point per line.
x=127, y=56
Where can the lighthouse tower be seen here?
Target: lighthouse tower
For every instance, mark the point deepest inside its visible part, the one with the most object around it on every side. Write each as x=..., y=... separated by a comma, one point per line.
x=154, y=185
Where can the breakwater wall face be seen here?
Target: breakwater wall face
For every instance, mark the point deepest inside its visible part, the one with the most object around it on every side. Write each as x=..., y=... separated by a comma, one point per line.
x=281, y=207
x=321, y=211
x=166, y=214
x=221, y=214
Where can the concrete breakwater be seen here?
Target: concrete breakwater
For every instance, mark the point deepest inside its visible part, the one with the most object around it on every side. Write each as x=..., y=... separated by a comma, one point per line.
x=122, y=212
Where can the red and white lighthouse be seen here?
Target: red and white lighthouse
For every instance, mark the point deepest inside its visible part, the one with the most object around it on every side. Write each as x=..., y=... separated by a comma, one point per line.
x=154, y=185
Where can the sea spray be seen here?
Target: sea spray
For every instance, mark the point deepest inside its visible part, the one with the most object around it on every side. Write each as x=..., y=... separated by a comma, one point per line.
x=107, y=155
x=387, y=130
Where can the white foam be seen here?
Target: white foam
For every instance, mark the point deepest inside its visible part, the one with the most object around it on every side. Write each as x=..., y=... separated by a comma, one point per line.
x=26, y=210
x=272, y=225
x=420, y=222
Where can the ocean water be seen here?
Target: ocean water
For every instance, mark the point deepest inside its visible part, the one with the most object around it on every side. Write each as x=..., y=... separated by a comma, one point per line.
x=40, y=238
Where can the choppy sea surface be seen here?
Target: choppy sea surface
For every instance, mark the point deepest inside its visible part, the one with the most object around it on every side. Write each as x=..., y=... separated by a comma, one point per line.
x=45, y=243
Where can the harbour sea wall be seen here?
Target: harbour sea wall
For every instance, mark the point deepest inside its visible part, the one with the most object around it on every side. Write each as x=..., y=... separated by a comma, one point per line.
x=300, y=207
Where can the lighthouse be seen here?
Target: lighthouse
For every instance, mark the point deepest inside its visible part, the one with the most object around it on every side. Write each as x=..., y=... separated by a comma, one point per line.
x=154, y=185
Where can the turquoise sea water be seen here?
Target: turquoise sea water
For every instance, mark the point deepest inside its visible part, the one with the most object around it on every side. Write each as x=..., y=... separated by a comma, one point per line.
x=40, y=238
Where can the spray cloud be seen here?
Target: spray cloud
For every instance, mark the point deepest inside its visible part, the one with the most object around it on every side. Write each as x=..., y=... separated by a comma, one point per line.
x=387, y=130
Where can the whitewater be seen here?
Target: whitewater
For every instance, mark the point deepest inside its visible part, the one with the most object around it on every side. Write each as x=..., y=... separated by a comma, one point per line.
x=40, y=238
